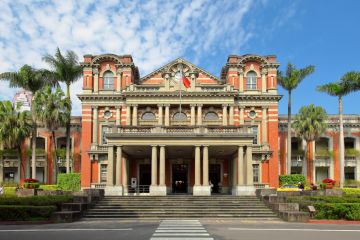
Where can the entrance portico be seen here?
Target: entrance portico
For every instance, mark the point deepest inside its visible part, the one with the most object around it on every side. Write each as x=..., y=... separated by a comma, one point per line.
x=188, y=154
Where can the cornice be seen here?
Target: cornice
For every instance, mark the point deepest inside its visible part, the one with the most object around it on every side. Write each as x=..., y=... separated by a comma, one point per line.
x=258, y=97
x=183, y=94
x=83, y=97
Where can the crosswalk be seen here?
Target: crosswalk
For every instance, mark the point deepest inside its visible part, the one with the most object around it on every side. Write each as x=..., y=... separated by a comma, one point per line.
x=181, y=230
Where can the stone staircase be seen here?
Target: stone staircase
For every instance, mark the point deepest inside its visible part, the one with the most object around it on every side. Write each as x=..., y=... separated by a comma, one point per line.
x=177, y=206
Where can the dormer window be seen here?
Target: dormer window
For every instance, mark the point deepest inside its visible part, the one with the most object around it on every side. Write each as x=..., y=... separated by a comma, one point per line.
x=148, y=116
x=180, y=116
x=251, y=80
x=108, y=80
x=211, y=116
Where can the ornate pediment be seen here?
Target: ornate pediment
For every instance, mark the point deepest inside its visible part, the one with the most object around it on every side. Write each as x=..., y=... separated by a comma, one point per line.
x=180, y=64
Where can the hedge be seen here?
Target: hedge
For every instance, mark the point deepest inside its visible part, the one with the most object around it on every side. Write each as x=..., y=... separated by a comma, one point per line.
x=19, y=212
x=69, y=181
x=351, y=191
x=348, y=211
x=35, y=200
x=50, y=187
x=292, y=179
x=10, y=191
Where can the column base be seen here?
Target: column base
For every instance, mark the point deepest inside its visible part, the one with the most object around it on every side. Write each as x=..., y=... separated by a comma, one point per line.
x=243, y=191
x=157, y=190
x=114, y=191
x=201, y=190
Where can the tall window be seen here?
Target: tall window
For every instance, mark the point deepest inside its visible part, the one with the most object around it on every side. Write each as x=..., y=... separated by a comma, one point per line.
x=251, y=80
x=104, y=130
x=256, y=173
x=103, y=173
x=108, y=80
x=255, y=132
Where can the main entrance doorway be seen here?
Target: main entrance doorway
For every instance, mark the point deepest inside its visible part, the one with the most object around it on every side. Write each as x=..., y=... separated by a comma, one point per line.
x=214, y=176
x=179, y=178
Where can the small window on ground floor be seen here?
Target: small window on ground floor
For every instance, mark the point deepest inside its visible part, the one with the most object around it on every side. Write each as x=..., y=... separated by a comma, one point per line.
x=296, y=170
x=256, y=173
x=349, y=173
x=103, y=173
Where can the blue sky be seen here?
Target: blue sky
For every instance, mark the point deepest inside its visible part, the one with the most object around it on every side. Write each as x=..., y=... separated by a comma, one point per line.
x=323, y=33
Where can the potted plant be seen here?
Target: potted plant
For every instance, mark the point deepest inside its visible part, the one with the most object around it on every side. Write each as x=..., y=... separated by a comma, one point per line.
x=31, y=183
x=329, y=183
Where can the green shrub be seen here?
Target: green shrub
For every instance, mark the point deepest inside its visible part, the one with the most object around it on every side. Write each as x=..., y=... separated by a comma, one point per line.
x=19, y=212
x=351, y=191
x=35, y=200
x=10, y=191
x=69, y=181
x=292, y=179
x=348, y=211
x=50, y=187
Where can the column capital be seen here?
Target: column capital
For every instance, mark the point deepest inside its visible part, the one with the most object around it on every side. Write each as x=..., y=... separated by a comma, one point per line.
x=94, y=107
x=134, y=105
x=264, y=71
x=199, y=105
x=205, y=145
x=225, y=105
x=117, y=107
x=197, y=145
x=192, y=105
x=162, y=145
x=166, y=105
x=153, y=145
x=264, y=107
x=160, y=105
x=241, y=107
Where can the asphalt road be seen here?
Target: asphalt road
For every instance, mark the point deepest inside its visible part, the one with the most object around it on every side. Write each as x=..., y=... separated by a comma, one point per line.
x=203, y=229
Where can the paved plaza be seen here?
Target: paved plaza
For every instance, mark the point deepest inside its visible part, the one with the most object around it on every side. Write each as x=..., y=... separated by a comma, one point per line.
x=180, y=229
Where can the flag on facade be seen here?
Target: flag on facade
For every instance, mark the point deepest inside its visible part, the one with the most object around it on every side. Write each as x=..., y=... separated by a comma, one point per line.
x=181, y=77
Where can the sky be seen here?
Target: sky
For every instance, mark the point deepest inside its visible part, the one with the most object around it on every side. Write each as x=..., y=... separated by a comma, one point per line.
x=317, y=32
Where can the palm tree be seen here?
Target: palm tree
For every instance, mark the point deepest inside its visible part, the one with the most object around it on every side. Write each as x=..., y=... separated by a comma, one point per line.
x=54, y=111
x=67, y=70
x=289, y=82
x=32, y=80
x=309, y=124
x=349, y=82
x=15, y=127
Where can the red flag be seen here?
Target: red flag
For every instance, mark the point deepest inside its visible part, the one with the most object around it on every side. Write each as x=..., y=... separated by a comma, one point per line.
x=186, y=82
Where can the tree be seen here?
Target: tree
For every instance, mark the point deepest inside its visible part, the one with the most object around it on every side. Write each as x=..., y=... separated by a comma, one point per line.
x=32, y=80
x=348, y=83
x=309, y=124
x=15, y=127
x=68, y=70
x=53, y=109
x=289, y=82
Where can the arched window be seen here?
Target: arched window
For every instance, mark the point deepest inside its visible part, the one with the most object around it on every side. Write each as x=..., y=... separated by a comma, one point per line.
x=211, y=116
x=108, y=80
x=180, y=116
x=251, y=80
x=148, y=116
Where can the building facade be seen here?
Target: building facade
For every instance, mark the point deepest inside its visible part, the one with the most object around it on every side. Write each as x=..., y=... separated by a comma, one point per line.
x=154, y=135
x=168, y=138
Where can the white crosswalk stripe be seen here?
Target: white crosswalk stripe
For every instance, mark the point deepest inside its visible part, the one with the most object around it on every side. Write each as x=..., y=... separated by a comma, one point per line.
x=181, y=230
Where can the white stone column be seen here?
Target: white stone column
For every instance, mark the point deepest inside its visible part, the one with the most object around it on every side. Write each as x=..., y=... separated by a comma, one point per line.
x=197, y=166
x=192, y=115
x=241, y=115
x=233, y=175
x=249, y=167
x=231, y=115
x=134, y=116
x=264, y=125
x=154, y=165
x=118, y=84
x=263, y=81
x=110, y=167
x=95, y=125
x=118, y=165
x=160, y=115
x=128, y=115
x=126, y=174
x=96, y=81
x=240, y=166
x=241, y=81
x=224, y=115
x=199, y=114
x=167, y=115
x=205, y=166
x=118, y=116
x=162, y=166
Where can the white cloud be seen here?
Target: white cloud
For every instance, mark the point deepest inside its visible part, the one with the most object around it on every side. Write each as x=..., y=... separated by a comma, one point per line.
x=154, y=32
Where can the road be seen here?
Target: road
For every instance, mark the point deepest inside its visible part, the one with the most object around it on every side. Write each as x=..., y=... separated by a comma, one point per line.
x=193, y=229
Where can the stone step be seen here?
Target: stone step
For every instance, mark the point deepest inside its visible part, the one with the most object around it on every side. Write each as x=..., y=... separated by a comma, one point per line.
x=205, y=208
x=164, y=216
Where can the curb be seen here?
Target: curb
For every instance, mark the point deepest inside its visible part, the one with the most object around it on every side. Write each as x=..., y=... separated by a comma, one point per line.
x=325, y=221
x=25, y=222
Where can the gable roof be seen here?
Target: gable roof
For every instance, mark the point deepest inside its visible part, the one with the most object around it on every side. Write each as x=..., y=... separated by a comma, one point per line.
x=166, y=68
